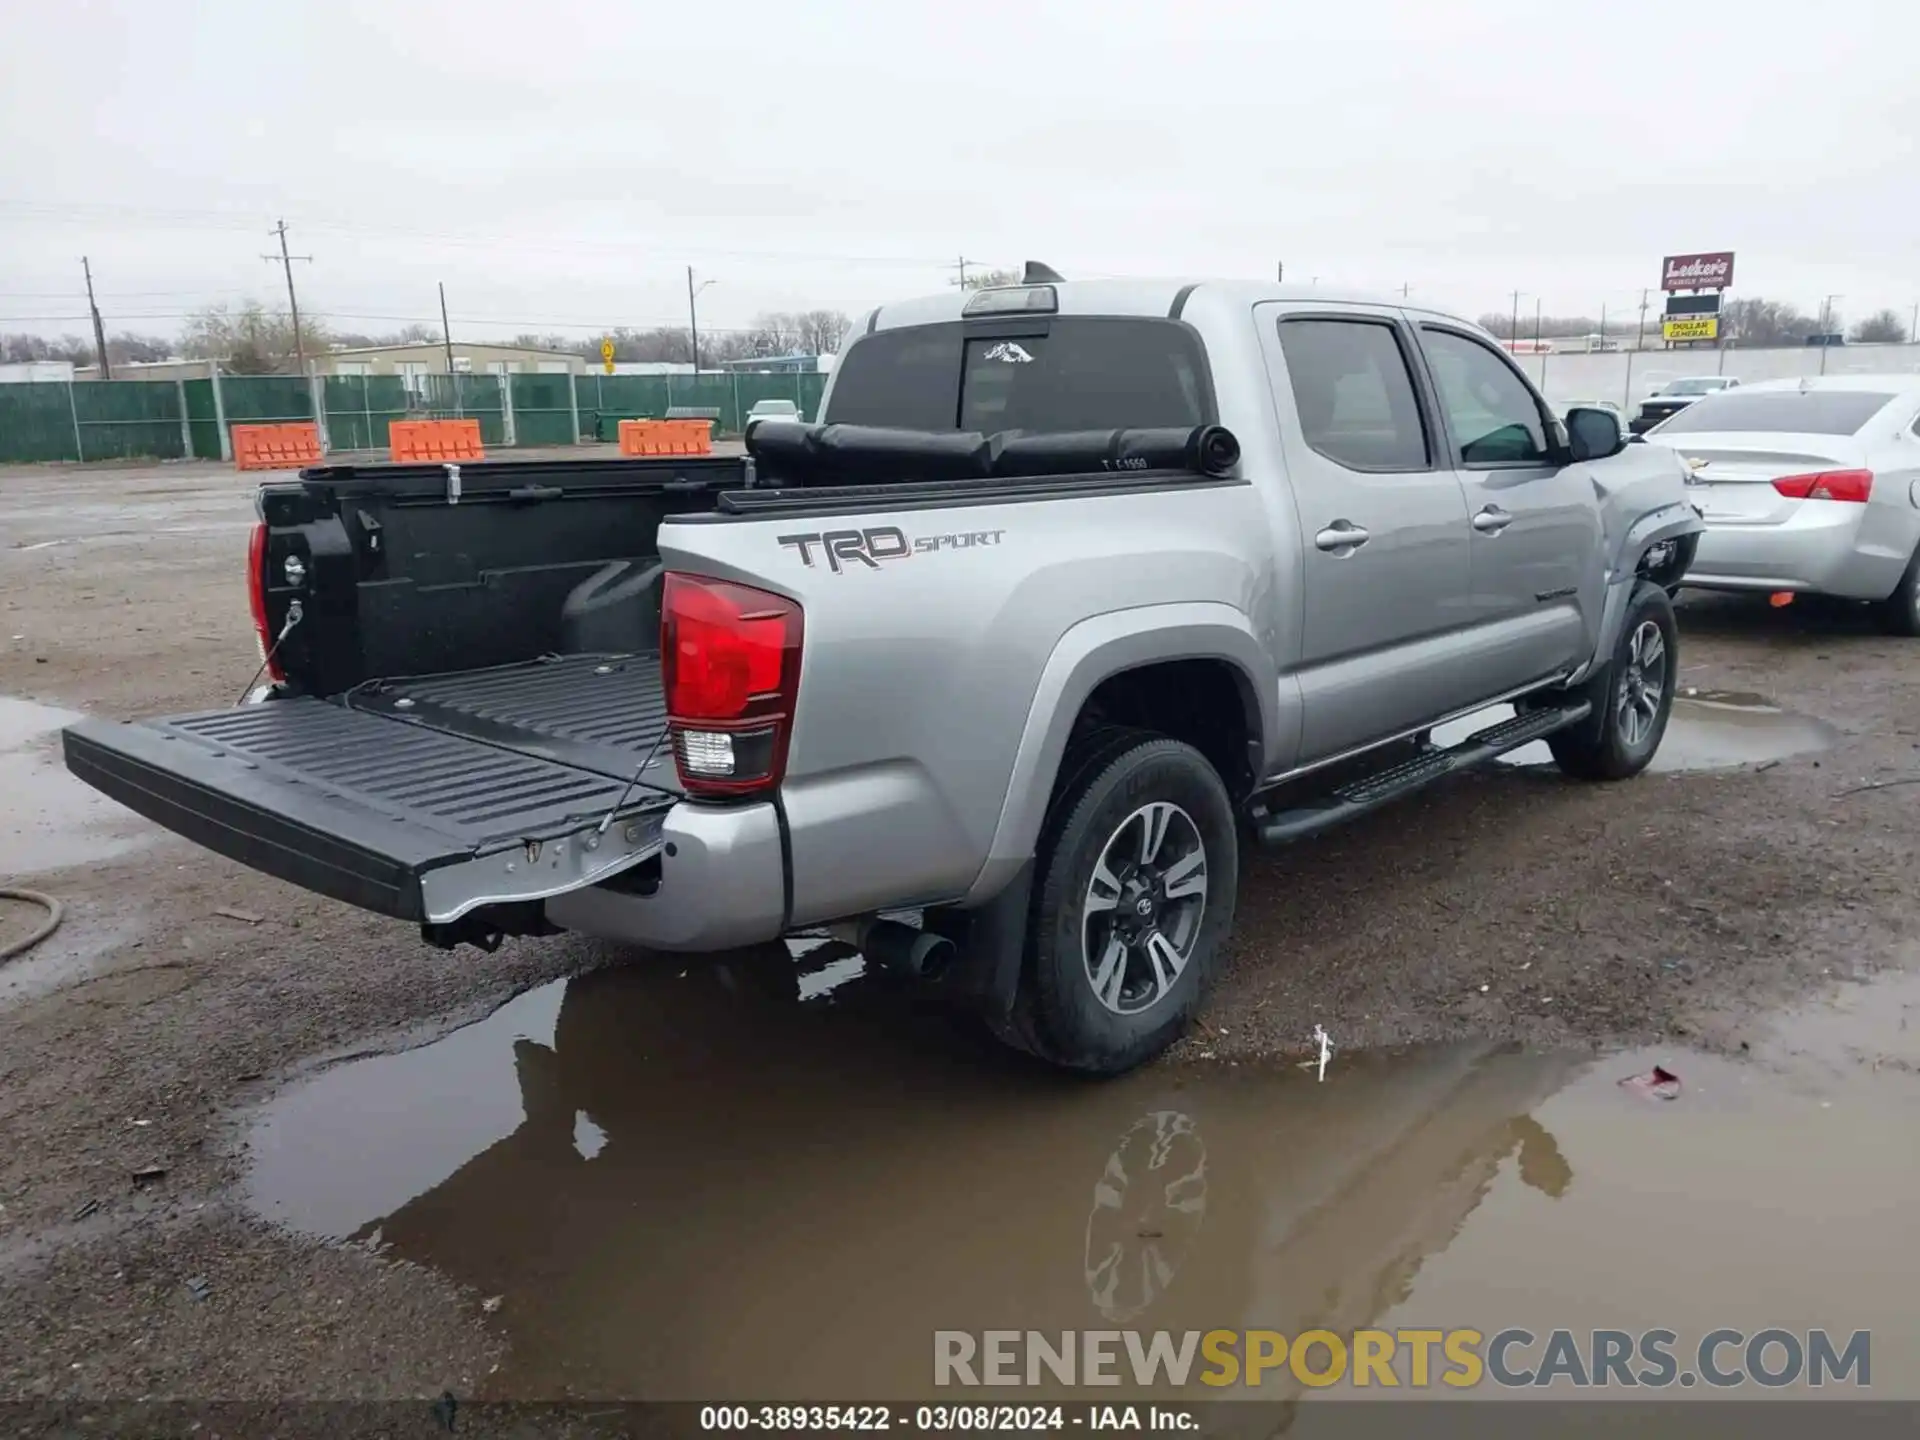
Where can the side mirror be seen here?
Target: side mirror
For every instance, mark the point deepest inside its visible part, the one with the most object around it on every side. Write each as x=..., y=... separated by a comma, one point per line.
x=1593, y=433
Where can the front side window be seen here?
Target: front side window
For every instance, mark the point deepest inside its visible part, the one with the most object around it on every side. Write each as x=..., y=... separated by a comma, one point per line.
x=1354, y=394
x=1490, y=410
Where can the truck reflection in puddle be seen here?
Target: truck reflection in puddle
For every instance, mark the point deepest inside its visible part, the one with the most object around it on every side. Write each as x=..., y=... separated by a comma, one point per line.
x=692, y=1186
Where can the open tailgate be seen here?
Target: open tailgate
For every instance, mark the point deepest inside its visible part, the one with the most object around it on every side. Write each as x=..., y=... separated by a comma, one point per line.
x=397, y=818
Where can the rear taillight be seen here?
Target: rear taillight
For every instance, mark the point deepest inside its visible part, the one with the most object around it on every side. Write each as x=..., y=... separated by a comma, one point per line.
x=730, y=658
x=1851, y=486
x=257, y=602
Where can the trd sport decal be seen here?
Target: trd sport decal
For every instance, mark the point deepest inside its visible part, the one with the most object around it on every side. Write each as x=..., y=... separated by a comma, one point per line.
x=843, y=549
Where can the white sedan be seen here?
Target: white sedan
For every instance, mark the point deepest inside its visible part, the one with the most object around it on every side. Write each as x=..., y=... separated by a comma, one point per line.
x=1810, y=486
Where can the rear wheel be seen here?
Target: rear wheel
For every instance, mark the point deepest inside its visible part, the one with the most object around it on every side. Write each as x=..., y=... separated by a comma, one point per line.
x=1900, y=611
x=1139, y=864
x=1632, y=696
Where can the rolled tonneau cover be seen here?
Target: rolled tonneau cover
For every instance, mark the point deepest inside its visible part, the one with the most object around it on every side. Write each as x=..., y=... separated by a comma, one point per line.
x=790, y=451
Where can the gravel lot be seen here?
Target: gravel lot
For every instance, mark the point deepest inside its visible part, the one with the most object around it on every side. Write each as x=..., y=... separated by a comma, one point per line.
x=1503, y=906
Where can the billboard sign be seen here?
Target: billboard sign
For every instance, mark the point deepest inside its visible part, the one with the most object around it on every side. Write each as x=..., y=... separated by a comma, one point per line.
x=1710, y=270
x=1690, y=327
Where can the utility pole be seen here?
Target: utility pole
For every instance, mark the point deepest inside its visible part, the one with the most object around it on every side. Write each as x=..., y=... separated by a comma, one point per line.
x=1536, y=322
x=693, y=319
x=285, y=261
x=1279, y=272
x=961, y=266
x=1640, y=338
x=1404, y=288
x=1826, y=327
x=99, y=330
x=1603, y=324
x=446, y=331
x=1513, y=322
x=1913, y=330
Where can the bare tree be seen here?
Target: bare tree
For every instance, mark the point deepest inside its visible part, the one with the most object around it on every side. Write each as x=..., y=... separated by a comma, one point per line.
x=250, y=341
x=1754, y=321
x=981, y=279
x=1883, y=327
x=821, y=331
x=127, y=348
x=23, y=349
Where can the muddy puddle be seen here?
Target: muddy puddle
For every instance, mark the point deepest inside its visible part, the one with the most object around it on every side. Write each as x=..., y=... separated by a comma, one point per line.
x=49, y=819
x=669, y=1183
x=1708, y=730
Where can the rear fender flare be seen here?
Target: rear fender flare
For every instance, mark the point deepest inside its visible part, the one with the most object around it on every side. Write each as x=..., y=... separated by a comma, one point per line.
x=1091, y=652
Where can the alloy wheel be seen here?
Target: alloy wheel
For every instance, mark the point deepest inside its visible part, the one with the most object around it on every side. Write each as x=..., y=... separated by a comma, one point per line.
x=1643, y=684
x=1141, y=919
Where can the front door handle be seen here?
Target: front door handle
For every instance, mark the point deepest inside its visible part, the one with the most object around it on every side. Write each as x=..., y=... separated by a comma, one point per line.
x=1492, y=520
x=1342, y=535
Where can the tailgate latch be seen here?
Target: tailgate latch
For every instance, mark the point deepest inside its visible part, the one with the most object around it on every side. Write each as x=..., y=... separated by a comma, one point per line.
x=453, y=482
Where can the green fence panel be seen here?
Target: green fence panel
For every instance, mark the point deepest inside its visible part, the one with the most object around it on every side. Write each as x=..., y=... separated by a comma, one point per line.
x=203, y=428
x=359, y=408
x=543, y=409
x=122, y=419
x=464, y=397
x=605, y=400
x=36, y=423
x=266, y=399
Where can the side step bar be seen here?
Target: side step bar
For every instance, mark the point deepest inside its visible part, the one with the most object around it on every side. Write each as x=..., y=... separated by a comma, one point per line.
x=1370, y=792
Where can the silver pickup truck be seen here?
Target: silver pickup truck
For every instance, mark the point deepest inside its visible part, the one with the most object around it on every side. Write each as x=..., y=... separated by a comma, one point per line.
x=1074, y=589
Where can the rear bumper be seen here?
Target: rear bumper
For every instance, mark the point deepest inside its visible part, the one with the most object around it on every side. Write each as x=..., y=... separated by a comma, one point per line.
x=721, y=883
x=1857, y=552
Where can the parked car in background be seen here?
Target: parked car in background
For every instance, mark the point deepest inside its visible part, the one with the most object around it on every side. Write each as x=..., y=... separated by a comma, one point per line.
x=774, y=410
x=1808, y=485
x=1673, y=397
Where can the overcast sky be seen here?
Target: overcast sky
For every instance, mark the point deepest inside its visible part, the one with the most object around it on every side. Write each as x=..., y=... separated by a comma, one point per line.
x=559, y=164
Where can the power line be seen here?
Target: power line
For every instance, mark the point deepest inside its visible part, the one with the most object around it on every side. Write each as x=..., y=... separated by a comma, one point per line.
x=224, y=219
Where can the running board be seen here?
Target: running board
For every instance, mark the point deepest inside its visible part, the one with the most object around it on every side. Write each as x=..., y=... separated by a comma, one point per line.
x=1370, y=792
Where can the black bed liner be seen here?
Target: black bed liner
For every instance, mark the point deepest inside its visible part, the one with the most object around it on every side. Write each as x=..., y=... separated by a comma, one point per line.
x=471, y=801
x=600, y=713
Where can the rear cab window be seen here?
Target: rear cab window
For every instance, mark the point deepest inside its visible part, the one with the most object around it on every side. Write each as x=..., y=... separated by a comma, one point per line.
x=1779, y=412
x=1063, y=373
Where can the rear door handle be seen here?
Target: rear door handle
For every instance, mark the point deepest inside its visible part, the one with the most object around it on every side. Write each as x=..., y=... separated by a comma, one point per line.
x=1342, y=535
x=1492, y=520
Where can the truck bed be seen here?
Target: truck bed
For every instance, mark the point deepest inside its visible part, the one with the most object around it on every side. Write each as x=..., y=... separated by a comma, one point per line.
x=603, y=714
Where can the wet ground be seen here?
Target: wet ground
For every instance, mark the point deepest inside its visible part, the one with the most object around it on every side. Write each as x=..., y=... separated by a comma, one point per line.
x=256, y=1144
x=665, y=1184
x=1707, y=730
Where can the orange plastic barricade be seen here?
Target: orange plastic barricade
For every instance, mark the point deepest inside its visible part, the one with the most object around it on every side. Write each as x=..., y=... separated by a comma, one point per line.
x=666, y=437
x=276, y=447
x=435, y=440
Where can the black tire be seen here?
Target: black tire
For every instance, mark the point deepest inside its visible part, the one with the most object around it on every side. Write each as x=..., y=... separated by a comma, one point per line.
x=1112, y=789
x=1899, y=613
x=1618, y=740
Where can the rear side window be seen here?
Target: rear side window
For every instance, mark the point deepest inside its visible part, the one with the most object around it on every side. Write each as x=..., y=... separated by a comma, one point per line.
x=1780, y=412
x=1073, y=373
x=1354, y=394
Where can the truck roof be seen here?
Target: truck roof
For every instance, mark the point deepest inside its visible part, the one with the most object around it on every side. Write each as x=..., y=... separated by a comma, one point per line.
x=1134, y=296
